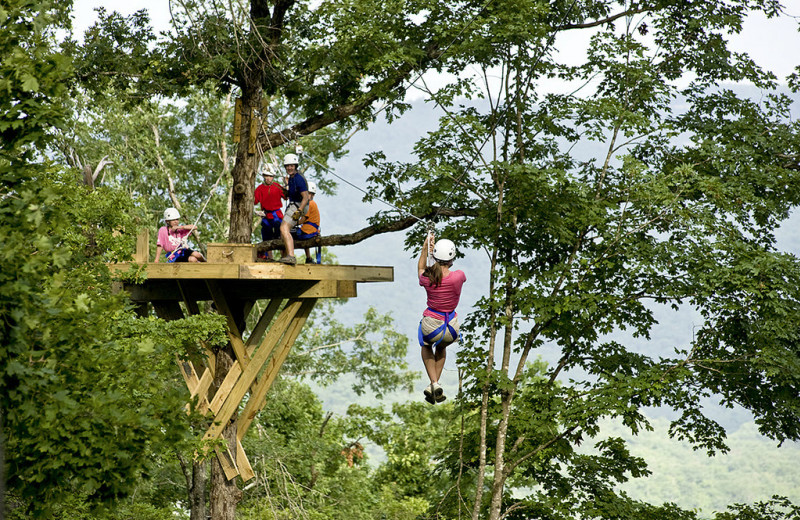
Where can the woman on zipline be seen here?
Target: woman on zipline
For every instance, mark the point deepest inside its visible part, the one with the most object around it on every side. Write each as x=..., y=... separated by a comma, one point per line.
x=439, y=325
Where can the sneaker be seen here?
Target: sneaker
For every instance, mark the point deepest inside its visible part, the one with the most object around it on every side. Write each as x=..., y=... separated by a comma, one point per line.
x=310, y=261
x=429, y=394
x=438, y=392
x=290, y=260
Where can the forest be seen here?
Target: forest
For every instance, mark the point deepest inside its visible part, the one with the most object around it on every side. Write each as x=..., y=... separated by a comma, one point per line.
x=648, y=180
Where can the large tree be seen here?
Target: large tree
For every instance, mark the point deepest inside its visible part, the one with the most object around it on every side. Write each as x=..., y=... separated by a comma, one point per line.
x=679, y=209
x=296, y=67
x=645, y=181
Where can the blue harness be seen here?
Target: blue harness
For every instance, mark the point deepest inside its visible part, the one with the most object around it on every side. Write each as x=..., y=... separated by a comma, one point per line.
x=179, y=255
x=299, y=235
x=272, y=216
x=426, y=339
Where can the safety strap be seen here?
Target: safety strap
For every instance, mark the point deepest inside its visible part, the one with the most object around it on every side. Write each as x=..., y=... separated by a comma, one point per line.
x=276, y=215
x=427, y=338
x=174, y=254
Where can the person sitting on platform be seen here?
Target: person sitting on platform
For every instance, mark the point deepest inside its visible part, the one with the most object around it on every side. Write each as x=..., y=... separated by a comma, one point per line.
x=172, y=240
x=297, y=191
x=309, y=225
x=270, y=195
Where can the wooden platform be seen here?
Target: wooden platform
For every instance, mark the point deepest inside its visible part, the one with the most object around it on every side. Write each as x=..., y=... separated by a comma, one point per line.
x=253, y=281
x=234, y=286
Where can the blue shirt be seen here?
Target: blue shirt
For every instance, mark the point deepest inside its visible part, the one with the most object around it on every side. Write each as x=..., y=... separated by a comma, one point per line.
x=297, y=185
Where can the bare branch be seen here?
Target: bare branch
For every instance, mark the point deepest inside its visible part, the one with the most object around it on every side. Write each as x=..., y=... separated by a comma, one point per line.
x=609, y=19
x=103, y=162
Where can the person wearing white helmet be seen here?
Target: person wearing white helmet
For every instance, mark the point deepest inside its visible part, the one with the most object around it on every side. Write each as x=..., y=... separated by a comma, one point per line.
x=172, y=240
x=270, y=195
x=309, y=225
x=297, y=192
x=439, y=325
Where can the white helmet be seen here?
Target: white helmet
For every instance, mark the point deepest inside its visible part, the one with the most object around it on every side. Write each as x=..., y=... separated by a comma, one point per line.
x=444, y=250
x=171, y=214
x=312, y=187
x=290, y=158
x=267, y=169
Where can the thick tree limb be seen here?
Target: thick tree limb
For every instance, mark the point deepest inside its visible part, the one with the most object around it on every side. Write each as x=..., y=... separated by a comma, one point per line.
x=341, y=112
x=365, y=233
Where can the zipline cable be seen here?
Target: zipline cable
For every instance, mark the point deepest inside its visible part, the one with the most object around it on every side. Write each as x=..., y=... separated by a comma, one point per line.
x=549, y=42
x=419, y=75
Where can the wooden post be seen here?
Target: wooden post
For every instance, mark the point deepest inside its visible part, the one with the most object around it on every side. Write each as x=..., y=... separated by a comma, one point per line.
x=253, y=132
x=237, y=120
x=142, y=255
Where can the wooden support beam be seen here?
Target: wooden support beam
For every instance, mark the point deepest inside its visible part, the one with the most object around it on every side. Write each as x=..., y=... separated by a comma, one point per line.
x=226, y=461
x=262, y=324
x=290, y=314
x=234, y=334
x=210, y=358
x=245, y=469
x=259, y=271
x=172, y=311
x=237, y=120
x=361, y=273
x=264, y=350
x=142, y=255
x=259, y=392
x=229, y=466
x=251, y=149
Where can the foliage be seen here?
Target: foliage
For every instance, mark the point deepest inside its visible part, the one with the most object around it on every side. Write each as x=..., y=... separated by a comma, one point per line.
x=310, y=466
x=372, y=351
x=778, y=508
x=84, y=403
x=591, y=206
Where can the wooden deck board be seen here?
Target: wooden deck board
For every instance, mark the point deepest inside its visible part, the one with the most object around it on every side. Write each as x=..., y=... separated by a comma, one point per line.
x=259, y=271
x=187, y=282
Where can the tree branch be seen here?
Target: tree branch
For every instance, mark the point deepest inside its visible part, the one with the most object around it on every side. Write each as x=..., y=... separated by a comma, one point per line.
x=316, y=122
x=600, y=22
x=365, y=233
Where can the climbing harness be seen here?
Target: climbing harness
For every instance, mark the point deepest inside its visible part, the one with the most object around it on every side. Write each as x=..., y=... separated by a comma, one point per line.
x=427, y=339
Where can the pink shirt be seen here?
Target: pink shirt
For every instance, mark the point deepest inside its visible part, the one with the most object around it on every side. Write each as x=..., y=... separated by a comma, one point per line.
x=170, y=240
x=445, y=297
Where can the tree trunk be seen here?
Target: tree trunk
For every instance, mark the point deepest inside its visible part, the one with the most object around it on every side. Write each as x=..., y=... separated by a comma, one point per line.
x=244, y=170
x=197, y=493
x=225, y=495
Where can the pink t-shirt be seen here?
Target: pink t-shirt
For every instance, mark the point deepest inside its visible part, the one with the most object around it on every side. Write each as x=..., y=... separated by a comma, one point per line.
x=169, y=240
x=445, y=297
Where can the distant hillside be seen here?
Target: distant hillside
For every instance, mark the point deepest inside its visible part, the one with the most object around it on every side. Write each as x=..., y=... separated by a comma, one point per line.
x=754, y=470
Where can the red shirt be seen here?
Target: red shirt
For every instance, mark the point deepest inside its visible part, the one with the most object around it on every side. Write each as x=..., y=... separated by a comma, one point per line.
x=443, y=298
x=270, y=197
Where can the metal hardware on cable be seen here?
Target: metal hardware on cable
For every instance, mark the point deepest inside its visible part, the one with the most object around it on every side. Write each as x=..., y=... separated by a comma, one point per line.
x=431, y=236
